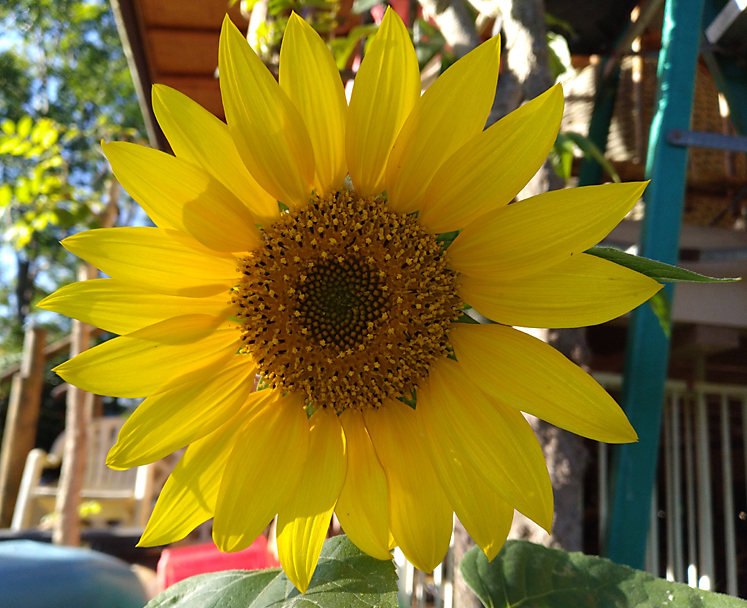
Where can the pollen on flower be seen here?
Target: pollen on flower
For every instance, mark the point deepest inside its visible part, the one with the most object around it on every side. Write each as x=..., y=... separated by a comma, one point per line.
x=344, y=323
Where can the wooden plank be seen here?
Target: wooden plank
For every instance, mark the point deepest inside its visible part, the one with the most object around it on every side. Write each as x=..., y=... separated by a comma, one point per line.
x=183, y=52
x=66, y=529
x=197, y=14
x=203, y=90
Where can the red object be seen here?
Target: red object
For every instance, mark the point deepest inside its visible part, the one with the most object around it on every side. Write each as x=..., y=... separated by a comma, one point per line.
x=183, y=562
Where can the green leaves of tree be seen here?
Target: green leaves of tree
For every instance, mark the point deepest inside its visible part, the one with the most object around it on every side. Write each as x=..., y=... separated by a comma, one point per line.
x=344, y=578
x=34, y=172
x=533, y=576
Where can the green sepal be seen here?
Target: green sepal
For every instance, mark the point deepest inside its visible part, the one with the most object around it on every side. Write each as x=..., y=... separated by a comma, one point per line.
x=447, y=238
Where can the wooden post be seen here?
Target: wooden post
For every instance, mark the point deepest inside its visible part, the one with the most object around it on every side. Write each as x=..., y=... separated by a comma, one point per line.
x=647, y=354
x=20, y=424
x=79, y=406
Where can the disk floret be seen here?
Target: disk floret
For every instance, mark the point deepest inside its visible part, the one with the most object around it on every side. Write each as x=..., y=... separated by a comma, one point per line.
x=346, y=301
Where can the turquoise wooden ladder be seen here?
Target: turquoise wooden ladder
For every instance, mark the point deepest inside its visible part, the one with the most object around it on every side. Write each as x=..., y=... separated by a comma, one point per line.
x=647, y=354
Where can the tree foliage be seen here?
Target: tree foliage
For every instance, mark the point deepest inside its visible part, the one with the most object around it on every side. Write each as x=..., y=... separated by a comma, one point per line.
x=64, y=86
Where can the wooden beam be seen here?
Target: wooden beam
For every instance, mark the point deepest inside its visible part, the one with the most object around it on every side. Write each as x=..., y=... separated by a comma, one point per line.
x=54, y=349
x=134, y=50
x=189, y=13
x=19, y=437
x=66, y=529
x=184, y=52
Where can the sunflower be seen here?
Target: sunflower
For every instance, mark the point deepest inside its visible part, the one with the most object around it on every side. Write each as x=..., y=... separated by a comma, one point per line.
x=376, y=400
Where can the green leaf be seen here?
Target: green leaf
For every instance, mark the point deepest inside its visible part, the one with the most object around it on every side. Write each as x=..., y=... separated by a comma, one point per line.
x=6, y=194
x=21, y=147
x=561, y=156
x=342, y=48
x=428, y=41
x=589, y=149
x=559, y=55
x=344, y=578
x=533, y=576
x=23, y=191
x=361, y=6
x=24, y=126
x=662, y=308
x=659, y=271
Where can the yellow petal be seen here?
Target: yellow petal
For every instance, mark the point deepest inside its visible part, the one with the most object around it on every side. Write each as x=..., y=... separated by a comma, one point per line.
x=490, y=169
x=195, y=135
x=362, y=507
x=451, y=112
x=141, y=363
x=309, y=76
x=262, y=473
x=529, y=375
x=583, y=290
x=386, y=89
x=178, y=194
x=189, y=496
x=304, y=521
x=166, y=422
x=420, y=516
x=484, y=514
x=269, y=133
x=164, y=261
x=539, y=232
x=120, y=308
x=493, y=438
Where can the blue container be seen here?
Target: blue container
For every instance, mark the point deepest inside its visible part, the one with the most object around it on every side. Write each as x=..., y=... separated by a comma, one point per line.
x=39, y=575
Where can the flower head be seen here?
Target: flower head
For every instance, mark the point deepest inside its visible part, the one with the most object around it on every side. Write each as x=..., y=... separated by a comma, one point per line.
x=347, y=304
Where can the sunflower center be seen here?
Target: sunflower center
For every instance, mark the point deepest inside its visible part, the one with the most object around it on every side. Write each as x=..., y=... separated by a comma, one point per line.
x=346, y=302
x=337, y=300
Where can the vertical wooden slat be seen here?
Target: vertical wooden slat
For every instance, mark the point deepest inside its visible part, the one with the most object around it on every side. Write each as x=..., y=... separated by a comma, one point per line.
x=670, y=491
x=438, y=582
x=678, y=557
x=603, y=473
x=419, y=589
x=66, y=529
x=726, y=469
x=21, y=420
x=705, y=500
x=692, y=541
x=652, y=540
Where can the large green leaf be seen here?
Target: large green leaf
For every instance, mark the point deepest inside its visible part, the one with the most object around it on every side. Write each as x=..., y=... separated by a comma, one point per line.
x=659, y=271
x=344, y=578
x=590, y=149
x=532, y=576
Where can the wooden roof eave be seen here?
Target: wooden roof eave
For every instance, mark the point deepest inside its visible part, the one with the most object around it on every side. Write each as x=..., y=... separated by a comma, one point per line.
x=132, y=44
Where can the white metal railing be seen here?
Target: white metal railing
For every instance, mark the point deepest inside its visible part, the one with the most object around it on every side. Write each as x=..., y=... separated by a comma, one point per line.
x=686, y=549
x=681, y=542
x=413, y=584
